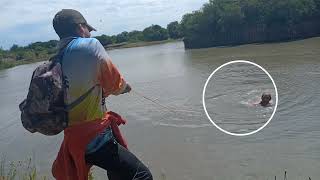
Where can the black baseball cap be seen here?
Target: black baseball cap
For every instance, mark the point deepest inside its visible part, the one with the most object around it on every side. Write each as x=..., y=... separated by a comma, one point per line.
x=67, y=18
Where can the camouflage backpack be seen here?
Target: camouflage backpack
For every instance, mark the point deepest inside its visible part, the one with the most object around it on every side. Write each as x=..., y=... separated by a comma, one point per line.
x=44, y=110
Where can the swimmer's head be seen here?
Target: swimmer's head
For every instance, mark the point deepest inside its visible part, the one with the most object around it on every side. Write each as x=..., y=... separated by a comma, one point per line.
x=265, y=99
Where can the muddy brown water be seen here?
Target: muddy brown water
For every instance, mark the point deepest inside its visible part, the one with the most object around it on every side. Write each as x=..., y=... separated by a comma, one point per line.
x=183, y=144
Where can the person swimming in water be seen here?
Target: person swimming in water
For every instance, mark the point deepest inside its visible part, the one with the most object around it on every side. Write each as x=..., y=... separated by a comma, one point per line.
x=265, y=100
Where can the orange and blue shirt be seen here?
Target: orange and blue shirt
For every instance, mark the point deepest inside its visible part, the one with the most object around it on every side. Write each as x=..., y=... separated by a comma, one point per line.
x=86, y=64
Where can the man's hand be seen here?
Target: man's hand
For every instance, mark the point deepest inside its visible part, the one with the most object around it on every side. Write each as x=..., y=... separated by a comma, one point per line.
x=127, y=89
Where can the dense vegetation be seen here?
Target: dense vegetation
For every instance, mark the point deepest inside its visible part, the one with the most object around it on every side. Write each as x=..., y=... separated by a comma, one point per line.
x=218, y=22
x=31, y=53
x=230, y=22
x=34, y=50
x=152, y=33
x=175, y=30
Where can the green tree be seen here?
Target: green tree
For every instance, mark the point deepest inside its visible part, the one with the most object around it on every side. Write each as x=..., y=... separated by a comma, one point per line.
x=174, y=30
x=227, y=22
x=26, y=55
x=52, y=44
x=122, y=37
x=14, y=47
x=114, y=39
x=155, y=33
x=230, y=15
x=288, y=12
x=2, y=53
x=135, y=36
x=252, y=11
x=197, y=33
x=104, y=39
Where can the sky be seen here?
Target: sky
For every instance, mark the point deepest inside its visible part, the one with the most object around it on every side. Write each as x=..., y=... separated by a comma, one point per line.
x=26, y=21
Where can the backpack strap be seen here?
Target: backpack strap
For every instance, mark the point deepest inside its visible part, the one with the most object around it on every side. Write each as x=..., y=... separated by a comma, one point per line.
x=59, y=55
x=58, y=59
x=79, y=99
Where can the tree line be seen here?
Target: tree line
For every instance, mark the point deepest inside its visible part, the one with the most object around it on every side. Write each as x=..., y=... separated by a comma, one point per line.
x=42, y=50
x=151, y=33
x=34, y=51
x=231, y=22
x=218, y=22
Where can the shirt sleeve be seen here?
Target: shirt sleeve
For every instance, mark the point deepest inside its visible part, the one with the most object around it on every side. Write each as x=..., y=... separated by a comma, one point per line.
x=108, y=75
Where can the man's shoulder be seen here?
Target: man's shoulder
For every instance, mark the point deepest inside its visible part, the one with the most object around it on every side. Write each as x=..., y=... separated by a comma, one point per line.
x=88, y=45
x=85, y=42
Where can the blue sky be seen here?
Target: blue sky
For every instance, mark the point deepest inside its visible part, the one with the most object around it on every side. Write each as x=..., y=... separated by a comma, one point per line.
x=23, y=22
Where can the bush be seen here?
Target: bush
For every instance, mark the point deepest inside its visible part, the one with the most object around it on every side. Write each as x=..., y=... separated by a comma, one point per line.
x=155, y=33
x=174, y=30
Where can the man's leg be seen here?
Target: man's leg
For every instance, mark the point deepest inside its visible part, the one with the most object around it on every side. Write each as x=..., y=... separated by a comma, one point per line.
x=119, y=162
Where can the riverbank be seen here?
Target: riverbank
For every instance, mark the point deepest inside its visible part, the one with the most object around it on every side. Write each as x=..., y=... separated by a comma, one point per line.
x=27, y=170
x=6, y=64
x=10, y=64
x=139, y=44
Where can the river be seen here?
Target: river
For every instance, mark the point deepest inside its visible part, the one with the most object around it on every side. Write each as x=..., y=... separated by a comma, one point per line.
x=173, y=136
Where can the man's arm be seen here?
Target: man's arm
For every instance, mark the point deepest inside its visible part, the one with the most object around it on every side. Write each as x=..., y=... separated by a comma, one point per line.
x=111, y=80
x=109, y=76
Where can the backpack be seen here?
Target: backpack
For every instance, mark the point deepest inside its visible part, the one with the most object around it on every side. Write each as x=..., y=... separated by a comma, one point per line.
x=44, y=110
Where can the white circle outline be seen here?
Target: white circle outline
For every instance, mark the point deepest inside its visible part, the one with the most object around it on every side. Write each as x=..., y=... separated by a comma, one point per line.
x=204, y=92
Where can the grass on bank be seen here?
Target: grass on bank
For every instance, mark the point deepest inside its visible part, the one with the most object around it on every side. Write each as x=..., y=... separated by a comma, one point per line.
x=10, y=64
x=25, y=170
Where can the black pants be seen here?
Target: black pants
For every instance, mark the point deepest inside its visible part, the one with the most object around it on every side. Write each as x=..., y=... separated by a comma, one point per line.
x=119, y=162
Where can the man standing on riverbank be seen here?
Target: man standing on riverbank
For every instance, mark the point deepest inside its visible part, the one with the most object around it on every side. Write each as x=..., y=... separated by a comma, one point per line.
x=92, y=137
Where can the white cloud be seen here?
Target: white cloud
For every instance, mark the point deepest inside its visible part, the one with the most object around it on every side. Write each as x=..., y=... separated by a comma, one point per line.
x=108, y=16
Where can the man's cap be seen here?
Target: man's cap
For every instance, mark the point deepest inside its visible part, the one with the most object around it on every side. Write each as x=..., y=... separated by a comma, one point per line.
x=67, y=18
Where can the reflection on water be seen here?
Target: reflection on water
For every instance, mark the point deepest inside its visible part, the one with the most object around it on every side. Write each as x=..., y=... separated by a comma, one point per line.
x=182, y=144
